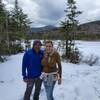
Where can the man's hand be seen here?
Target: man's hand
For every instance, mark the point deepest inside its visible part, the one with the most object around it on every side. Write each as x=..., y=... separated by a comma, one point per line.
x=26, y=80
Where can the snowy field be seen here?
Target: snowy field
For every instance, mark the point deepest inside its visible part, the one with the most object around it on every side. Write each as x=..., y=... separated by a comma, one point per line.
x=79, y=81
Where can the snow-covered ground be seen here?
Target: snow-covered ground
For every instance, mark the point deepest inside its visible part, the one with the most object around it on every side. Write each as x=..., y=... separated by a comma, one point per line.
x=80, y=81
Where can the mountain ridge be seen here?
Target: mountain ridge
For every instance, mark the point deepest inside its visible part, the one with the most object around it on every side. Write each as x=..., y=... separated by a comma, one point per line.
x=92, y=27
x=43, y=29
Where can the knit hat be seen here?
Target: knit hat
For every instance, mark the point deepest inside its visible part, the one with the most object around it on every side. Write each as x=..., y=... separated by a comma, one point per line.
x=37, y=41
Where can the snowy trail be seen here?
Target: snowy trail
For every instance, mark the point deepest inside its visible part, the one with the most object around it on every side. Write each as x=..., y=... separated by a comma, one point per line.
x=80, y=82
x=10, y=73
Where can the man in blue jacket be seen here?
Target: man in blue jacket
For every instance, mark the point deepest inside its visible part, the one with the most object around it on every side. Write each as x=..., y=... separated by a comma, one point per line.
x=31, y=70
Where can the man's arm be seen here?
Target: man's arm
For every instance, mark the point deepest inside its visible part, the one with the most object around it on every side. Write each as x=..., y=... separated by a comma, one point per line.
x=24, y=65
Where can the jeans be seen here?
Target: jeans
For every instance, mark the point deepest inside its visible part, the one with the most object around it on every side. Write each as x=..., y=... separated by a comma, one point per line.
x=33, y=82
x=49, y=89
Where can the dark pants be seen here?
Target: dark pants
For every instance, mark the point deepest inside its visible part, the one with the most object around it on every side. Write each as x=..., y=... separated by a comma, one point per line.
x=33, y=82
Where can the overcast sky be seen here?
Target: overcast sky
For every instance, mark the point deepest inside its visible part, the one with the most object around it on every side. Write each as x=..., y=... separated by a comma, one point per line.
x=51, y=12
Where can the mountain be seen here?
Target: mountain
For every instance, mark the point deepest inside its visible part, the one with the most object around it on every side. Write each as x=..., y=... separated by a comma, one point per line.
x=43, y=29
x=90, y=27
x=87, y=28
x=87, y=31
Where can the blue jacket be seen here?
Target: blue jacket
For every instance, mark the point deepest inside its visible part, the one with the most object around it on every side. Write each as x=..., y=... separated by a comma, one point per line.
x=31, y=65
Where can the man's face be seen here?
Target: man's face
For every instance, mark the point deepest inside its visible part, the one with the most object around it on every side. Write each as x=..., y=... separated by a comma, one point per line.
x=48, y=47
x=37, y=47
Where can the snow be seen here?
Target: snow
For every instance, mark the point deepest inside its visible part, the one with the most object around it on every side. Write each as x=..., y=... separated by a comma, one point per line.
x=11, y=85
x=89, y=47
x=79, y=81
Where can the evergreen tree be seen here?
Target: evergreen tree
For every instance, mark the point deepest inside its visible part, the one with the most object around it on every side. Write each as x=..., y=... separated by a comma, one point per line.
x=19, y=22
x=18, y=27
x=4, y=44
x=13, y=26
x=2, y=19
x=70, y=24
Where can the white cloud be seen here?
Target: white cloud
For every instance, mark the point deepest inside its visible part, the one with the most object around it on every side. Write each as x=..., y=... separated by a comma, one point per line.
x=90, y=10
x=45, y=12
x=31, y=8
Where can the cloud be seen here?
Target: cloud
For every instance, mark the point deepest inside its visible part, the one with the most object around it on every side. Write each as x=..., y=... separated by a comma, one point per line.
x=29, y=7
x=90, y=10
x=51, y=12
